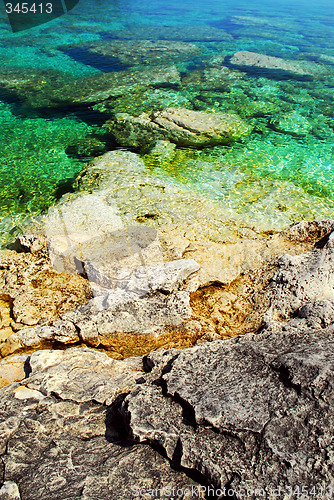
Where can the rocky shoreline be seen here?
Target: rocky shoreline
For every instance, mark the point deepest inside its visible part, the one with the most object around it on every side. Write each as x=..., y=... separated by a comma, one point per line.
x=129, y=337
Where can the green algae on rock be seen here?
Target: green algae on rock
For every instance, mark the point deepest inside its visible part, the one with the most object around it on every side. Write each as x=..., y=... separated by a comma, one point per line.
x=182, y=126
x=96, y=88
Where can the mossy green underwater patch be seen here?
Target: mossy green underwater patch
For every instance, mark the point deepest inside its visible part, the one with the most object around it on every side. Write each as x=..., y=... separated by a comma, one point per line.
x=33, y=159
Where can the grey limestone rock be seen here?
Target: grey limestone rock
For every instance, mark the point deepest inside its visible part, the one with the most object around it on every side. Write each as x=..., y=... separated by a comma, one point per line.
x=302, y=279
x=82, y=374
x=183, y=127
x=123, y=312
x=58, y=441
x=251, y=412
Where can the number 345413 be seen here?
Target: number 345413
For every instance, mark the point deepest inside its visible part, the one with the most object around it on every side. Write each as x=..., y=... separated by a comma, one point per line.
x=25, y=8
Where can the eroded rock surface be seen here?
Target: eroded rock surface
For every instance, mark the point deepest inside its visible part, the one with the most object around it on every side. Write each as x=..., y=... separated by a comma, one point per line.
x=254, y=411
x=251, y=412
x=59, y=441
x=32, y=292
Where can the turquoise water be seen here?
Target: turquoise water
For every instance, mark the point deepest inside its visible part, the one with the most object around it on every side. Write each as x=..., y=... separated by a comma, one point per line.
x=282, y=172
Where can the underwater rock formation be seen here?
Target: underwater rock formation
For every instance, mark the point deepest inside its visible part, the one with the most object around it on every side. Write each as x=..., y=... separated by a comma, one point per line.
x=183, y=127
x=123, y=53
x=96, y=88
x=252, y=60
x=183, y=32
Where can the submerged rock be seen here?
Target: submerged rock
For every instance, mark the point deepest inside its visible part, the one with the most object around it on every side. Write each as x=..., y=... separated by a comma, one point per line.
x=122, y=53
x=292, y=123
x=96, y=88
x=183, y=127
x=252, y=60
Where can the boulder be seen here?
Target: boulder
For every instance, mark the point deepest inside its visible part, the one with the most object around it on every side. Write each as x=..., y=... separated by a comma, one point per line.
x=276, y=65
x=300, y=279
x=183, y=127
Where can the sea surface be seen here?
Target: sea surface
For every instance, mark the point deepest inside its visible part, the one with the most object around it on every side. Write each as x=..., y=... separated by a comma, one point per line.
x=280, y=173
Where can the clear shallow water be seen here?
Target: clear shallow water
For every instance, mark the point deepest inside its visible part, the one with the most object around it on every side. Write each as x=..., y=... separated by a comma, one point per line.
x=283, y=171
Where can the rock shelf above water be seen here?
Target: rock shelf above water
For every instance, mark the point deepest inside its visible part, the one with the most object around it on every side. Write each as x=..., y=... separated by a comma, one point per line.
x=255, y=411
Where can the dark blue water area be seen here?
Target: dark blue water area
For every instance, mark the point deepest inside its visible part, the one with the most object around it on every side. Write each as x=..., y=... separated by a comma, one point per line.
x=98, y=61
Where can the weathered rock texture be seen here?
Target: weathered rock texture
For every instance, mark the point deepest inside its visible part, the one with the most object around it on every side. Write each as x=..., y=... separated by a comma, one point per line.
x=274, y=286
x=183, y=127
x=59, y=441
x=32, y=292
x=251, y=412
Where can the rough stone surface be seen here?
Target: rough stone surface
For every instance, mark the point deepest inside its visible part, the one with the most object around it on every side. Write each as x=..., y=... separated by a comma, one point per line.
x=254, y=411
x=82, y=374
x=87, y=236
x=252, y=60
x=124, y=312
x=58, y=442
x=32, y=292
x=183, y=127
x=251, y=412
x=12, y=369
x=267, y=286
x=301, y=279
x=60, y=331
